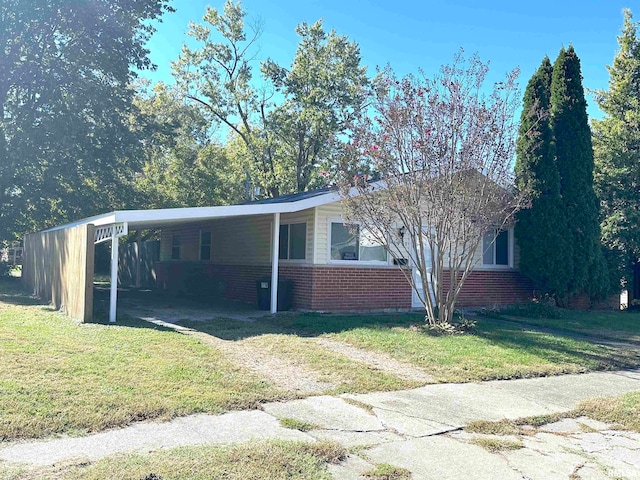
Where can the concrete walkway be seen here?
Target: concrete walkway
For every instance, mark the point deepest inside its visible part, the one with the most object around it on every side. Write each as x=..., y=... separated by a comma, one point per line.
x=418, y=429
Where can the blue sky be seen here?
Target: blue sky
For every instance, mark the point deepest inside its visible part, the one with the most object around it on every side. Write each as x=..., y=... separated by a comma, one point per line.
x=413, y=34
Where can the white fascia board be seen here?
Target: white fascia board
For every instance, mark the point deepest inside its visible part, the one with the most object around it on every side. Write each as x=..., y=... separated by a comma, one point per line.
x=149, y=217
x=98, y=220
x=194, y=214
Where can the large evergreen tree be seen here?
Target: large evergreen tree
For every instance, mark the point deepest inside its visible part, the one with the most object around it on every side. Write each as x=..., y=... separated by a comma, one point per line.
x=542, y=233
x=574, y=157
x=617, y=147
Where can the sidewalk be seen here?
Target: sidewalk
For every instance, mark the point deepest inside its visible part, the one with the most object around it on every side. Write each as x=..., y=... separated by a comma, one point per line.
x=417, y=429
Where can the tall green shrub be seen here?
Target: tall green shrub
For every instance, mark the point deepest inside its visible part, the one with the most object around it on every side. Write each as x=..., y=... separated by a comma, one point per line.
x=574, y=157
x=541, y=230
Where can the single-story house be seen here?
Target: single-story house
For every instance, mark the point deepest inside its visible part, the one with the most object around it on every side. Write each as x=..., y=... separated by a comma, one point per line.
x=301, y=237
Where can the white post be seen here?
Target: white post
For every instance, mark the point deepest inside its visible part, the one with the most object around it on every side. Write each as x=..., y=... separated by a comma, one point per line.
x=113, y=296
x=274, y=262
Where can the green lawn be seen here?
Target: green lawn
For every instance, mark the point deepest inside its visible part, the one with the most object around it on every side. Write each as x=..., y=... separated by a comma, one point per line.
x=621, y=325
x=491, y=352
x=62, y=377
x=273, y=460
x=58, y=376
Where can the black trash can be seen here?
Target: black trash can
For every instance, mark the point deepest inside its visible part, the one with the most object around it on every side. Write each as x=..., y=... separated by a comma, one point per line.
x=285, y=292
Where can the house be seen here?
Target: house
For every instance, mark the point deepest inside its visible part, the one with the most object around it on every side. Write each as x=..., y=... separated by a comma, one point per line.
x=300, y=237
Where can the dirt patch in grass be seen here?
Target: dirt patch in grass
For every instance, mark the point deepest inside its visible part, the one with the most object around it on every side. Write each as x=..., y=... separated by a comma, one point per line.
x=378, y=360
x=348, y=376
x=287, y=373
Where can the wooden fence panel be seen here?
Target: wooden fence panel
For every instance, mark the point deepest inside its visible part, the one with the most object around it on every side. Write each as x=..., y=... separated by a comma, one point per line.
x=58, y=268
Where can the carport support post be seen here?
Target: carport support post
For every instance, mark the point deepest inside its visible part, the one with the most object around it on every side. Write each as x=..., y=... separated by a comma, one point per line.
x=274, y=262
x=113, y=294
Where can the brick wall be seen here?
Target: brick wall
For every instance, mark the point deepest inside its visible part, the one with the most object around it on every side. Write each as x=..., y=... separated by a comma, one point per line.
x=336, y=288
x=494, y=287
x=341, y=288
x=314, y=288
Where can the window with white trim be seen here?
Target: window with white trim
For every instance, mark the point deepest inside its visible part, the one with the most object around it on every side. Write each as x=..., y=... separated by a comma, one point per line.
x=355, y=243
x=205, y=245
x=293, y=241
x=496, y=248
x=175, y=247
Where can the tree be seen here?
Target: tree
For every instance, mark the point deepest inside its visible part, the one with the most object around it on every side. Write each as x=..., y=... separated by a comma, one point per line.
x=541, y=229
x=443, y=152
x=218, y=75
x=574, y=157
x=284, y=142
x=65, y=106
x=616, y=141
x=183, y=167
x=324, y=88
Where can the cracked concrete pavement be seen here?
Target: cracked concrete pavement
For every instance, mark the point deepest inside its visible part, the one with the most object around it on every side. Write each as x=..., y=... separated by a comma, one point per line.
x=419, y=429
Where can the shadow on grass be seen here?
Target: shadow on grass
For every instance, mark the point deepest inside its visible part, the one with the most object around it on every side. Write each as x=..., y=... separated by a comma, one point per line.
x=101, y=317
x=301, y=325
x=556, y=347
x=11, y=292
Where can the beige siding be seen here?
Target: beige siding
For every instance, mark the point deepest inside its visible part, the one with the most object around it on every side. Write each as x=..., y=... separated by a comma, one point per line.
x=234, y=241
x=242, y=240
x=324, y=213
x=189, y=241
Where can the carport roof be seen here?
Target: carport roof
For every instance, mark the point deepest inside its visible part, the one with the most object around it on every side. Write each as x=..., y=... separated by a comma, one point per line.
x=165, y=216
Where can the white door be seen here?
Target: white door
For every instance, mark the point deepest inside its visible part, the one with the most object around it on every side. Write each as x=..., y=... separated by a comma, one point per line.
x=418, y=297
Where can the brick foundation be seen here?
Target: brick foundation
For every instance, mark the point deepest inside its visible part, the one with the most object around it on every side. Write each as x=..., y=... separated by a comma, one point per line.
x=322, y=288
x=494, y=287
x=337, y=288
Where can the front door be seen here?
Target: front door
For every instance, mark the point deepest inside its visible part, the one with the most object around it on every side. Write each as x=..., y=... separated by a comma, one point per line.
x=418, y=297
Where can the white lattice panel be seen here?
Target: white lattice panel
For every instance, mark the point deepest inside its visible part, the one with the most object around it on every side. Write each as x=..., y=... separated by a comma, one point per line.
x=105, y=233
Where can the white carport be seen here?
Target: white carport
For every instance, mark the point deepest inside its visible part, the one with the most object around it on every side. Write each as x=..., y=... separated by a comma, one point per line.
x=111, y=226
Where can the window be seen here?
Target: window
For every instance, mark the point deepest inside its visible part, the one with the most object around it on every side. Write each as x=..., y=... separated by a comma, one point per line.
x=355, y=243
x=495, y=248
x=175, y=247
x=293, y=241
x=205, y=245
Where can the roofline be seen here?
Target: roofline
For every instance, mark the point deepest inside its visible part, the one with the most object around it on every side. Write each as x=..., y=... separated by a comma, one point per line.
x=154, y=216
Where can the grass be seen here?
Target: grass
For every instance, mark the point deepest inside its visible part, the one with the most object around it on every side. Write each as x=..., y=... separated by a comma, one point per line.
x=490, y=352
x=357, y=403
x=501, y=427
x=494, y=445
x=620, y=325
x=61, y=377
x=347, y=375
x=295, y=424
x=623, y=411
x=274, y=460
x=384, y=471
